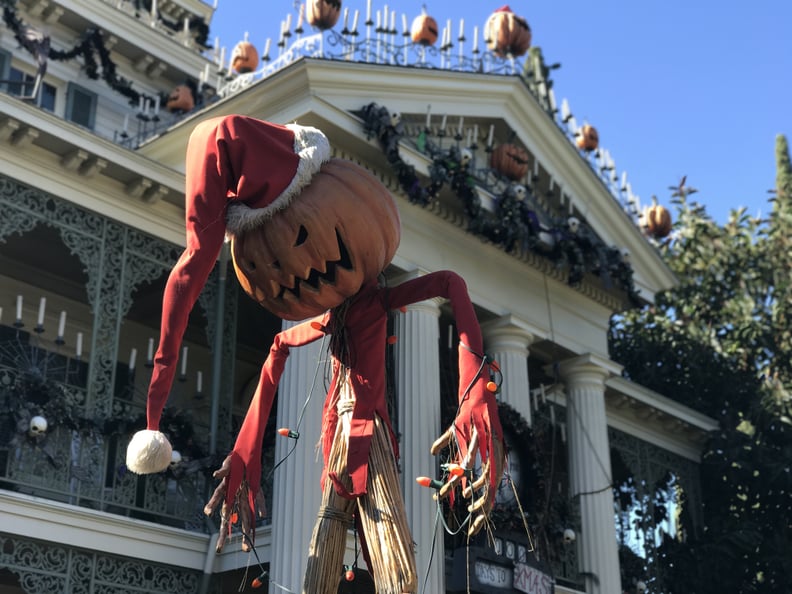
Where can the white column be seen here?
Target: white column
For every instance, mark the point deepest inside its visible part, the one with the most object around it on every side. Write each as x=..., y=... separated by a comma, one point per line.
x=297, y=489
x=418, y=391
x=590, y=470
x=507, y=340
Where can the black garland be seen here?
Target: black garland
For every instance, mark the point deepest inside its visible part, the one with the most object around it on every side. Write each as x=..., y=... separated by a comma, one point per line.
x=516, y=222
x=91, y=47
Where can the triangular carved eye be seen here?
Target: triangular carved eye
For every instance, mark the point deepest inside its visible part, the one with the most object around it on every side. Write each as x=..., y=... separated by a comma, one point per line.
x=302, y=236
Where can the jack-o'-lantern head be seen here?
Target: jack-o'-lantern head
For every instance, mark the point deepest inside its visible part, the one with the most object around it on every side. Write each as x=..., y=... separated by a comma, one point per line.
x=323, y=14
x=244, y=57
x=424, y=29
x=180, y=99
x=337, y=231
x=506, y=33
x=587, y=138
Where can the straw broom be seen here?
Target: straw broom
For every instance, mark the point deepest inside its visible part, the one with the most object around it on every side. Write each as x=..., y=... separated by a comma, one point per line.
x=328, y=541
x=381, y=512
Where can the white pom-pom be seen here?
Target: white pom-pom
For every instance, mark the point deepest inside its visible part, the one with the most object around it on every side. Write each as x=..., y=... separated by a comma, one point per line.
x=148, y=452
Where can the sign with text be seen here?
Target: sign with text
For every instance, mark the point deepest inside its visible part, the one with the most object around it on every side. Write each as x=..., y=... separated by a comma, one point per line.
x=496, y=576
x=531, y=580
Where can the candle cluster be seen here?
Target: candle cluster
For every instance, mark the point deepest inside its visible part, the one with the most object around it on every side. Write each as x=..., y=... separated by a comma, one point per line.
x=39, y=328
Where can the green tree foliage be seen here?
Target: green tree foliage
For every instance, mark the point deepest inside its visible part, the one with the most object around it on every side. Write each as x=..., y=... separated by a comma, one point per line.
x=721, y=342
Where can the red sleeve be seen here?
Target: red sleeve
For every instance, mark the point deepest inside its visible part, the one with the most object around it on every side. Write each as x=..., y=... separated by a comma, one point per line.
x=446, y=284
x=246, y=455
x=477, y=405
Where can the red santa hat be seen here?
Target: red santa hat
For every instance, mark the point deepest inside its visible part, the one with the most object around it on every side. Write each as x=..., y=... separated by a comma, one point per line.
x=240, y=172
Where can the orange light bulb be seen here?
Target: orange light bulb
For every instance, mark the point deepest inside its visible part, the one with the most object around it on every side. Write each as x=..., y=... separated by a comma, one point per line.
x=456, y=470
x=492, y=387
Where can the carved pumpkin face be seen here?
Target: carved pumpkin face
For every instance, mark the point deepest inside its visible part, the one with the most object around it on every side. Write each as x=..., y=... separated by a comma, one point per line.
x=587, y=138
x=509, y=160
x=657, y=221
x=340, y=232
x=323, y=14
x=180, y=99
x=244, y=58
x=507, y=34
x=424, y=30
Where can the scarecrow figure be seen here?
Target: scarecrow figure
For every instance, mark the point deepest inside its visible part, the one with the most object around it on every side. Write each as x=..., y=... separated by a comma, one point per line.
x=302, y=245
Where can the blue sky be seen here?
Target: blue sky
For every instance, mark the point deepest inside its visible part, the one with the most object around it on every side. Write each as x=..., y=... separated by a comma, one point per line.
x=675, y=88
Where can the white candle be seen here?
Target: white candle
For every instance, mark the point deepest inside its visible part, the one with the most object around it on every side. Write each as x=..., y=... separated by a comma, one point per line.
x=385, y=17
x=157, y=104
x=469, y=137
x=79, y=344
x=378, y=20
x=288, y=22
x=461, y=123
x=267, y=47
x=184, y=361
x=404, y=24
x=355, y=21
x=154, y=9
x=186, y=25
x=132, y=359
x=346, y=17
x=140, y=103
x=536, y=167
x=301, y=17
x=443, y=123
x=222, y=57
x=150, y=353
x=475, y=39
x=19, y=307
x=475, y=133
x=368, y=12
x=461, y=29
x=42, y=307
x=428, y=116
x=62, y=324
x=199, y=382
x=393, y=21
x=491, y=134
x=206, y=73
x=126, y=122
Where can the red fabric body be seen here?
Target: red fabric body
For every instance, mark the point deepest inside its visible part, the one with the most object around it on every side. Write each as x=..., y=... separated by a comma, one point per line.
x=366, y=328
x=224, y=163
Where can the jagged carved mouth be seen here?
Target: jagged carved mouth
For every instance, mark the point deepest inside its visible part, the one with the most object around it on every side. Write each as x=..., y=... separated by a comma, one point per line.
x=316, y=277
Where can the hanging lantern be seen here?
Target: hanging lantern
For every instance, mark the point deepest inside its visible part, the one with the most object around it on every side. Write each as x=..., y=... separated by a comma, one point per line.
x=657, y=220
x=424, y=29
x=510, y=160
x=244, y=58
x=343, y=230
x=507, y=34
x=323, y=14
x=180, y=99
x=587, y=138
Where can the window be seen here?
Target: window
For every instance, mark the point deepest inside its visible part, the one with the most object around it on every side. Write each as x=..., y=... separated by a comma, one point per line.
x=81, y=106
x=22, y=84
